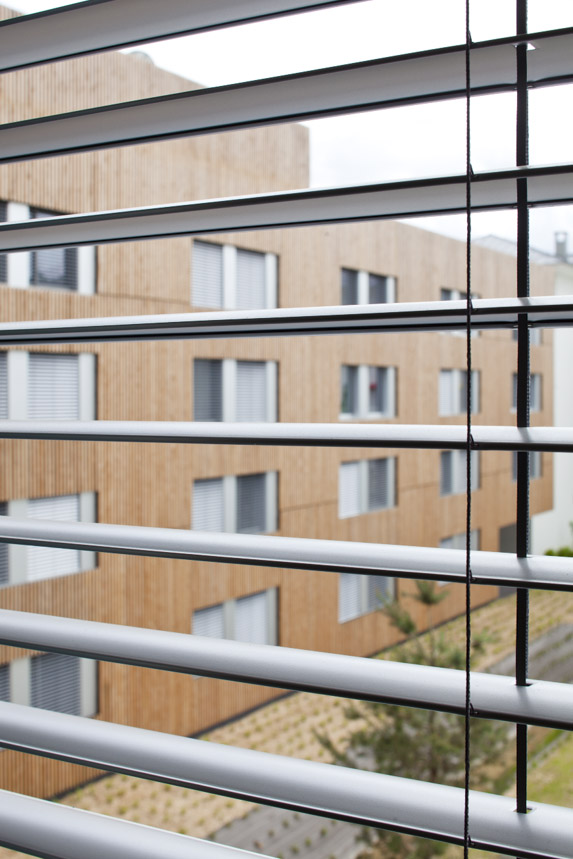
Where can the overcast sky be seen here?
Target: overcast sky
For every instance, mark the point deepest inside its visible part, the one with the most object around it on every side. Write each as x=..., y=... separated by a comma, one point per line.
x=404, y=142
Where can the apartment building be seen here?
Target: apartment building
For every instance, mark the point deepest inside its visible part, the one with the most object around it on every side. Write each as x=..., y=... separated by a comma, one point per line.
x=387, y=496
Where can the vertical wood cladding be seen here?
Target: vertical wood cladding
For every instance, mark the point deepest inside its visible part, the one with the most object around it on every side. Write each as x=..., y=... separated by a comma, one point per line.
x=152, y=484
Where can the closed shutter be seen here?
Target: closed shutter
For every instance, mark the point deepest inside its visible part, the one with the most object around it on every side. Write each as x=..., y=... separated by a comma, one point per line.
x=207, y=274
x=3, y=257
x=349, y=390
x=209, y=622
x=55, y=683
x=251, y=391
x=207, y=390
x=379, y=591
x=535, y=392
x=251, y=280
x=53, y=391
x=54, y=267
x=349, y=489
x=349, y=286
x=379, y=489
x=476, y=380
x=208, y=505
x=252, y=619
x=446, y=393
x=4, y=571
x=3, y=386
x=446, y=472
x=4, y=682
x=46, y=563
x=349, y=590
x=475, y=463
x=251, y=503
x=377, y=292
x=378, y=390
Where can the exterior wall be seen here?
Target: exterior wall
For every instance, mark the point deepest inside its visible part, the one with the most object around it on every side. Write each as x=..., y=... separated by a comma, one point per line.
x=152, y=484
x=552, y=528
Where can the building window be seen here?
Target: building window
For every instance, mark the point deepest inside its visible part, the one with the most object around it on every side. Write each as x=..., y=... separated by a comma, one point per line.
x=224, y=276
x=453, y=471
x=457, y=295
x=53, y=267
x=251, y=619
x=458, y=541
x=3, y=257
x=358, y=595
x=229, y=390
x=244, y=504
x=53, y=681
x=535, y=336
x=366, y=486
x=19, y=564
x=535, y=464
x=363, y=287
x=367, y=391
x=534, y=392
x=71, y=269
x=47, y=386
x=452, y=392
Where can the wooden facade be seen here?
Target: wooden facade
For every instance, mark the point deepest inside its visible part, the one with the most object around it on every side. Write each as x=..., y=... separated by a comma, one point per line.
x=152, y=484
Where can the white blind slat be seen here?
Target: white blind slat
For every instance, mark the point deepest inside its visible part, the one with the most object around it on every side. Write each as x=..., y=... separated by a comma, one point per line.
x=208, y=506
x=379, y=486
x=44, y=562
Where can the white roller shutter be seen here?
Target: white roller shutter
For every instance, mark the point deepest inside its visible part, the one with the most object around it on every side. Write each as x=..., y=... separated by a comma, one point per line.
x=379, y=591
x=4, y=570
x=46, y=563
x=349, y=489
x=53, y=390
x=4, y=682
x=209, y=622
x=252, y=620
x=446, y=397
x=349, y=596
x=251, y=391
x=251, y=280
x=3, y=386
x=251, y=503
x=380, y=490
x=55, y=683
x=207, y=390
x=207, y=274
x=208, y=505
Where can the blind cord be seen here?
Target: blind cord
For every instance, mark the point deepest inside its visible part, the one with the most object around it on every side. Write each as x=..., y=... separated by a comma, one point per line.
x=468, y=438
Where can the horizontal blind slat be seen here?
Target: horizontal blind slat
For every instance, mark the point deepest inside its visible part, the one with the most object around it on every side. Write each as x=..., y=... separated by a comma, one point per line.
x=409, y=198
x=101, y=25
x=358, y=796
x=419, y=436
x=551, y=312
x=493, y=696
x=495, y=568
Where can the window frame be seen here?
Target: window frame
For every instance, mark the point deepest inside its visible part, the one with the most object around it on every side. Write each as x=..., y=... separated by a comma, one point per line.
x=363, y=486
x=229, y=256
x=229, y=616
x=230, y=500
x=362, y=392
x=363, y=284
x=229, y=388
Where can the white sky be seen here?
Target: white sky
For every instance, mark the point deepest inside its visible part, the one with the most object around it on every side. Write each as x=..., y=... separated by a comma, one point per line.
x=403, y=142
